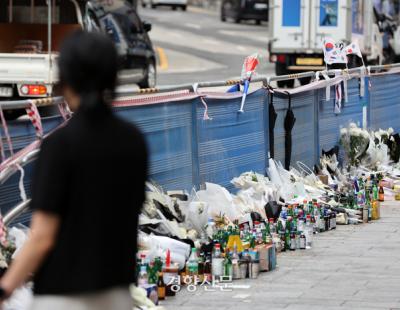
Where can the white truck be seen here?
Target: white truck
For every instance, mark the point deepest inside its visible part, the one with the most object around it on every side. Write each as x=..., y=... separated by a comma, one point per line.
x=298, y=27
x=31, y=32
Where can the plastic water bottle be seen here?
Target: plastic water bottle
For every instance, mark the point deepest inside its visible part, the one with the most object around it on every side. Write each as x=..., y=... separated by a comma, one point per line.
x=211, y=229
x=300, y=225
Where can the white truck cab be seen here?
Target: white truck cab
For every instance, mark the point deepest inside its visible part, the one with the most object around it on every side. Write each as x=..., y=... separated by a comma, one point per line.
x=30, y=35
x=31, y=32
x=298, y=28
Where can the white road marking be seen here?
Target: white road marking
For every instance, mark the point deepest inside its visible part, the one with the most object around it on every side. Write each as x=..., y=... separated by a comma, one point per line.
x=199, y=42
x=259, y=36
x=194, y=26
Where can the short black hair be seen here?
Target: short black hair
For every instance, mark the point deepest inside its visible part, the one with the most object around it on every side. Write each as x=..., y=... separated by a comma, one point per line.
x=88, y=64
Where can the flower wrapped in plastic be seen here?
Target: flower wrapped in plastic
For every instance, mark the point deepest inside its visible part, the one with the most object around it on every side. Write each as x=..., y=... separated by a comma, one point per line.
x=378, y=150
x=355, y=142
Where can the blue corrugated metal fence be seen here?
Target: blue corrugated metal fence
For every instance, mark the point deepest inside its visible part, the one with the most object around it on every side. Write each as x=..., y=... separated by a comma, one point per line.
x=187, y=150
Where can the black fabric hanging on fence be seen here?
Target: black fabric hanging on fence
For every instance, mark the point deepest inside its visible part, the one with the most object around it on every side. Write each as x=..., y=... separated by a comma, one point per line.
x=272, y=120
x=289, y=122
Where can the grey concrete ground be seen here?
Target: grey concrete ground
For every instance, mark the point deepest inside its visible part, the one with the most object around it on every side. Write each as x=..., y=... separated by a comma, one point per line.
x=354, y=267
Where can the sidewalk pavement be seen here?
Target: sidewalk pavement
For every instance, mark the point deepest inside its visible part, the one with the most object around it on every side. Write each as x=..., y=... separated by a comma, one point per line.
x=354, y=267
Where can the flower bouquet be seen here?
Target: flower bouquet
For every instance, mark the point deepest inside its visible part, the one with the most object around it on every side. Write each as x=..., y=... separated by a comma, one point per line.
x=378, y=149
x=355, y=142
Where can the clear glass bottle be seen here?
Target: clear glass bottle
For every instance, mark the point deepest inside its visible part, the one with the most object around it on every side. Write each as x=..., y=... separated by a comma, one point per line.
x=143, y=278
x=217, y=261
x=309, y=232
x=192, y=266
x=228, y=272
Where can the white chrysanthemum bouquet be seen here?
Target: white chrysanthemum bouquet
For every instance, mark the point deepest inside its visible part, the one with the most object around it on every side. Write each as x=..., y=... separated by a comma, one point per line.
x=354, y=141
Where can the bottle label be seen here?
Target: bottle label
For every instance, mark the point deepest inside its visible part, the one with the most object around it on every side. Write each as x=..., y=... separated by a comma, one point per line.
x=217, y=267
x=161, y=292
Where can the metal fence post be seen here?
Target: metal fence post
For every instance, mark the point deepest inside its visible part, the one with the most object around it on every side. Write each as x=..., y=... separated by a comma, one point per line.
x=195, y=148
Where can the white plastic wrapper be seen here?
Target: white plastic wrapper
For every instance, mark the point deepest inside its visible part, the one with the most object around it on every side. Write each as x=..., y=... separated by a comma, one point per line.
x=247, y=201
x=250, y=180
x=19, y=235
x=158, y=245
x=219, y=201
x=20, y=300
x=197, y=215
x=274, y=174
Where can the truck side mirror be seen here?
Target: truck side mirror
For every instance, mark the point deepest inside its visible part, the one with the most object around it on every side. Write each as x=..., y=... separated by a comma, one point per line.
x=147, y=26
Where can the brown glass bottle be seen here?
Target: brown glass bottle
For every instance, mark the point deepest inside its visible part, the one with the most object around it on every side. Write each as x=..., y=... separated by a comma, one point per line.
x=381, y=194
x=161, y=287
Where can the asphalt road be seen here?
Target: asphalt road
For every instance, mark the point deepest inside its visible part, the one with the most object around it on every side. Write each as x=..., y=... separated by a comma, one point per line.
x=195, y=46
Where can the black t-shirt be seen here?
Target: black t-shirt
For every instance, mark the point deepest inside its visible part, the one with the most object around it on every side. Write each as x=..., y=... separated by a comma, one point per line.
x=92, y=174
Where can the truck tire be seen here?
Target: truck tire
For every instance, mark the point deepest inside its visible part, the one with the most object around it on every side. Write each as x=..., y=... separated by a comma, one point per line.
x=281, y=69
x=305, y=80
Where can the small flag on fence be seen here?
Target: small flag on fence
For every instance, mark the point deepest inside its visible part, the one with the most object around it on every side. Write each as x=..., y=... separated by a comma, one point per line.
x=334, y=53
x=249, y=66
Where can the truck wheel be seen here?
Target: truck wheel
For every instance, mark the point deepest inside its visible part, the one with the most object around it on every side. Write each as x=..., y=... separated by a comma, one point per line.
x=305, y=80
x=281, y=69
x=223, y=18
x=150, y=77
x=237, y=20
x=258, y=22
x=183, y=7
x=153, y=6
x=290, y=83
x=174, y=8
x=281, y=84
